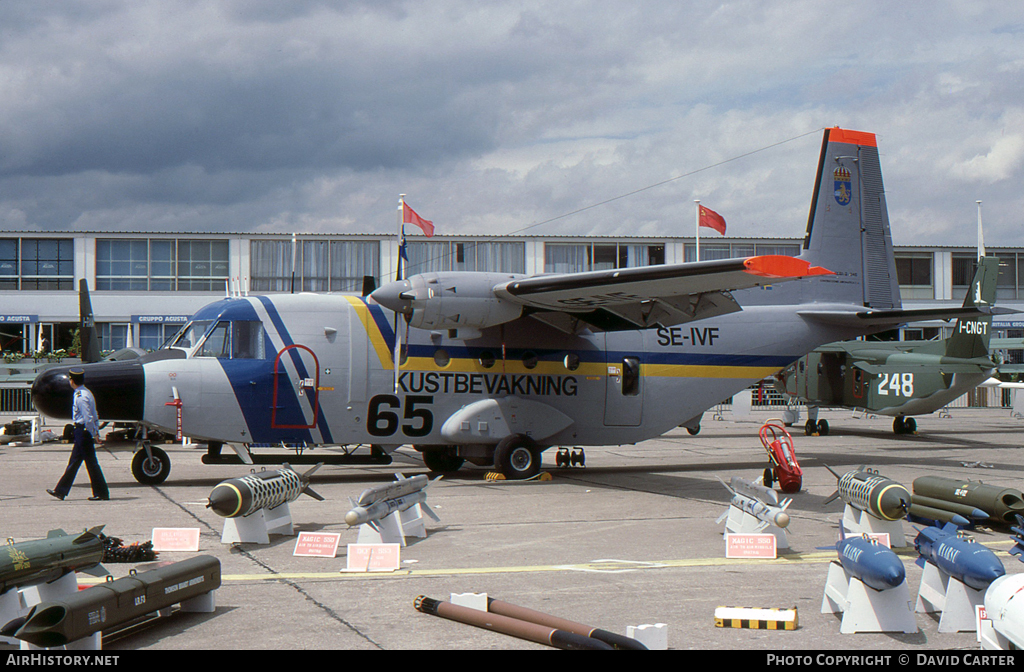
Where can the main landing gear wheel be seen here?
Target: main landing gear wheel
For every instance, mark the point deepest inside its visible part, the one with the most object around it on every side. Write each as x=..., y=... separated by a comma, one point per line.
x=822, y=427
x=517, y=457
x=904, y=425
x=151, y=470
x=441, y=461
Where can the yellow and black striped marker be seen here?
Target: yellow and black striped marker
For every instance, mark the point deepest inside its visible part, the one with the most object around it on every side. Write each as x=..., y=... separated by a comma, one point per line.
x=756, y=618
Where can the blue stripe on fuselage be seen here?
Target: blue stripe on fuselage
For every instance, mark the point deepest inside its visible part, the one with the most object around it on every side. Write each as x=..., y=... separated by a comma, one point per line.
x=300, y=369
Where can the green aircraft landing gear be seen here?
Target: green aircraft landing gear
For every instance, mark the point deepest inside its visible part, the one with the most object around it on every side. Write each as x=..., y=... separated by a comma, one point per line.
x=904, y=425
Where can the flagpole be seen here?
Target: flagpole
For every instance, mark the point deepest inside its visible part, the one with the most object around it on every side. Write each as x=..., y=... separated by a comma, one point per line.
x=981, y=238
x=696, y=202
x=398, y=274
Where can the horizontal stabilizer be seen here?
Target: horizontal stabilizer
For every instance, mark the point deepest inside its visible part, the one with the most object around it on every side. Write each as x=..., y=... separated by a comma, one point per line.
x=846, y=318
x=877, y=369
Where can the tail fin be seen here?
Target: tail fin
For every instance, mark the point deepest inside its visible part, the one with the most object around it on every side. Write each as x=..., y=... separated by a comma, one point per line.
x=847, y=230
x=848, y=226
x=971, y=335
x=88, y=338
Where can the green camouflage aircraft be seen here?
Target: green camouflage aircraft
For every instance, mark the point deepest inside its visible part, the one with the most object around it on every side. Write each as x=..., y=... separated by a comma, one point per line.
x=901, y=379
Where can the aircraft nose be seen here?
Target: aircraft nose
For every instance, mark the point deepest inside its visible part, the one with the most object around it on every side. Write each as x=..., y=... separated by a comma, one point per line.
x=119, y=389
x=391, y=296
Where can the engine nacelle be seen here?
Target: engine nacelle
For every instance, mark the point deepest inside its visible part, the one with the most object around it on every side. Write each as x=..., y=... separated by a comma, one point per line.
x=450, y=300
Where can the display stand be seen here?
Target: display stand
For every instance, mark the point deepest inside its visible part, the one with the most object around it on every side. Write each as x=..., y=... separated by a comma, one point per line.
x=395, y=527
x=858, y=522
x=865, y=609
x=257, y=527
x=739, y=521
x=652, y=635
x=10, y=609
x=23, y=599
x=941, y=592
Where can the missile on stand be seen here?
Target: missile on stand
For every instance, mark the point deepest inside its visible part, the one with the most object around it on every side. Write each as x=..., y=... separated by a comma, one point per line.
x=867, y=490
x=403, y=486
x=1001, y=504
x=260, y=490
x=107, y=605
x=877, y=566
x=961, y=557
x=766, y=513
x=370, y=515
x=48, y=559
x=1004, y=604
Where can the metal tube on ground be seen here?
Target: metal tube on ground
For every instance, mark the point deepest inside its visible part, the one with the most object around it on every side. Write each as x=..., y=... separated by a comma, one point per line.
x=513, y=627
x=540, y=618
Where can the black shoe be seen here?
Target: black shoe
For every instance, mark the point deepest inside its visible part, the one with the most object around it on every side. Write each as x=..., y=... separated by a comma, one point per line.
x=54, y=493
x=98, y=498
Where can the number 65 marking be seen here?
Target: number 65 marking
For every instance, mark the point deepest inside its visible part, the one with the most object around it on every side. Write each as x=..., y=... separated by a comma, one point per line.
x=901, y=384
x=385, y=422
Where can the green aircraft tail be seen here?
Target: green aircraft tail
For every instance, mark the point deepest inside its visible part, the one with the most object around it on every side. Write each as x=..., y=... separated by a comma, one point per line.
x=971, y=336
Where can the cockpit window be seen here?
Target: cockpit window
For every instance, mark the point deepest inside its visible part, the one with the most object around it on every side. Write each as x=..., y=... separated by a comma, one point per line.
x=217, y=343
x=188, y=335
x=235, y=340
x=247, y=340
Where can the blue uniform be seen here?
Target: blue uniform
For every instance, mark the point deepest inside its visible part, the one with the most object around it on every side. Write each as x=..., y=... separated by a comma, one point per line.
x=83, y=413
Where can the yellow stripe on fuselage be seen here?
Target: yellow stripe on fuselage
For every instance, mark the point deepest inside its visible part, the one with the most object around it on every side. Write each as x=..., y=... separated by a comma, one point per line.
x=372, y=331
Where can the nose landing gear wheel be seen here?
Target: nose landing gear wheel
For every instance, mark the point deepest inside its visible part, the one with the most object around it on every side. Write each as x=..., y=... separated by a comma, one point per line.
x=151, y=470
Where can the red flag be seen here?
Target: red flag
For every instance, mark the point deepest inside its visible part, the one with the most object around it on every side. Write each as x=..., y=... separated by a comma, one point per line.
x=712, y=220
x=409, y=216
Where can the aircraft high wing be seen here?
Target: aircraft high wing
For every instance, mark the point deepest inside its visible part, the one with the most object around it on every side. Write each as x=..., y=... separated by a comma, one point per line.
x=625, y=299
x=901, y=379
x=496, y=368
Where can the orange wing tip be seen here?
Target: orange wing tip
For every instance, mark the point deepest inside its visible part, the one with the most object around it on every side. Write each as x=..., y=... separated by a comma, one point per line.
x=862, y=138
x=780, y=266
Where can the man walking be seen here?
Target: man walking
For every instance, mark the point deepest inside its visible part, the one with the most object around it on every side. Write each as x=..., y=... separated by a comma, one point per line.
x=83, y=414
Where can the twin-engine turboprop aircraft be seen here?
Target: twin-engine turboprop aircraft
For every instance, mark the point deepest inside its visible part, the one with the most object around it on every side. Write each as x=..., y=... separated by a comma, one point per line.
x=496, y=368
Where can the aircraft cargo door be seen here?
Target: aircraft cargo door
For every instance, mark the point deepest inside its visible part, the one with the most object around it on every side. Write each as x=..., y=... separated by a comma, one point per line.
x=296, y=389
x=624, y=388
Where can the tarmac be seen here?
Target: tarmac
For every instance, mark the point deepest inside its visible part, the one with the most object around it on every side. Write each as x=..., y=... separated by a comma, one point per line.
x=629, y=539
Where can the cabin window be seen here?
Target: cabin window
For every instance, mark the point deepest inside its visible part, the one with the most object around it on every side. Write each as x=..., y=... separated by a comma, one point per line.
x=530, y=360
x=487, y=359
x=441, y=357
x=572, y=361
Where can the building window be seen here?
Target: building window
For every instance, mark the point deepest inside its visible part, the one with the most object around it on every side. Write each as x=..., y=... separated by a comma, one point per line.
x=580, y=257
x=335, y=266
x=47, y=263
x=914, y=270
x=450, y=255
x=712, y=250
x=138, y=264
x=8, y=263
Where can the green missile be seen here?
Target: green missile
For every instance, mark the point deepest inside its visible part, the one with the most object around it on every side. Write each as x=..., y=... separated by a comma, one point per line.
x=48, y=559
x=1000, y=503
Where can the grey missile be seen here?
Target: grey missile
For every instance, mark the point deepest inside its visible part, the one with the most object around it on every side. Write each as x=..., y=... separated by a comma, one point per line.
x=766, y=513
x=260, y=490
x=403, y=486
x=48, y=559
x=369, y=515
x=867, y=490
x=755, y=490
x=1001, y=503
x=113, y=603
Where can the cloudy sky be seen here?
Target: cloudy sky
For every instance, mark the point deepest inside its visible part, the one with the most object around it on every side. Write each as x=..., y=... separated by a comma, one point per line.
x=312, y=116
